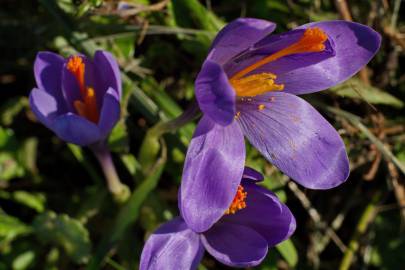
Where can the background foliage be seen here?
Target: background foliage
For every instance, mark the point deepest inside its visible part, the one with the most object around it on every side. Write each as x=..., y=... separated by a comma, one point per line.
x=55, y=212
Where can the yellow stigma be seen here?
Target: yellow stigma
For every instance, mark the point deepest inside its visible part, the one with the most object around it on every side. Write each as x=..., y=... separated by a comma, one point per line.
x=239, y=202
x=312, y=40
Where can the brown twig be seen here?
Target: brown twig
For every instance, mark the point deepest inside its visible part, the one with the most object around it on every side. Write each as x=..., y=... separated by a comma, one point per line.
x=142, y=8
x=315, y=216
x=378, y=121
x=392, y=130
x=143, y=32
x=399, y=190
x=397, y=37
x=343, y=9
x=370, y=175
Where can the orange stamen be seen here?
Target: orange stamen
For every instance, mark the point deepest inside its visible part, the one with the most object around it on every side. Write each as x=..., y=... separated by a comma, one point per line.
x=312, y=41
x=80, y=107
x=239, y=202
x=91, y=105
x=76, y=66
x=87, y=107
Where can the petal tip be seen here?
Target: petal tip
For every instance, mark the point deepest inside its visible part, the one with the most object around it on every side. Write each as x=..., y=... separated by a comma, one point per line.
x=214, y=94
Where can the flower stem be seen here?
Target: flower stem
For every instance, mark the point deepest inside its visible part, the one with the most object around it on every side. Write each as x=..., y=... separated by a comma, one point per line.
x=187, y=116
x=119, y=191
x=151, y=146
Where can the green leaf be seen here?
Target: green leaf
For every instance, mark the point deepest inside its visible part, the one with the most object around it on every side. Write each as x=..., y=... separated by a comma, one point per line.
x=7, y=140
x=11, y=108
x=191, y=13
x=389, y=242
x=11, y=227
x=129, y=212
x=27, y=154
x=288, y=251
x=35, y=201
x=130, y=163
x=66, y=232
x=118, y=140
x=23, y=260
x=354, y=88
x=10, y=167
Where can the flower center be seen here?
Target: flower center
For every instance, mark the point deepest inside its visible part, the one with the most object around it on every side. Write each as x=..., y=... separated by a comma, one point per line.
x=255, y=84
x=87, y=106
x=312, y=40
x=239, y=202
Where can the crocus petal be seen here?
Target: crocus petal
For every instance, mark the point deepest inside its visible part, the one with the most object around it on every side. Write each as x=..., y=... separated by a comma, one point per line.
x=212, y=173
x=172, y=246
x=215, y=95
x=44, y=106
x=235, y=245
x=252, y=174
x=108, y=72
x=48, y=73
x=91, y=79
x=238, y=36
x=272, y=44
x=354, y=45
x=110, y=112
x=293, y=136
x=70, y=88
x=265, y=214
x=76, y=129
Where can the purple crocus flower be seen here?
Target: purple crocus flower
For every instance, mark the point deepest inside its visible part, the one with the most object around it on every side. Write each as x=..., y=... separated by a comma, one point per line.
x=77, y=98
x=248, y=86
x=254, y=221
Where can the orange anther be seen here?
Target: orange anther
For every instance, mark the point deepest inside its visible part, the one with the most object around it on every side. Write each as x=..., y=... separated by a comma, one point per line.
x=91, y=105
x=87, y=106
x=239, y=202
x=255, y=84
x=76, y=66
x=80, y=107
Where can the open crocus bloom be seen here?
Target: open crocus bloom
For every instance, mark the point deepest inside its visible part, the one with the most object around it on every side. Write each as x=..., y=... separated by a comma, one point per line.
x=247, y=87
x=254, y=221
x=77, y=98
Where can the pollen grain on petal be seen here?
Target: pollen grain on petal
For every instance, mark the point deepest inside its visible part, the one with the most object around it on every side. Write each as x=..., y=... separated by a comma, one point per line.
x=239, y=201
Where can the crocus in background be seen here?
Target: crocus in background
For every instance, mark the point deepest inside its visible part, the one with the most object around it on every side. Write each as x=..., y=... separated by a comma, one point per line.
x=253, y=222
x=79, y=100
x=248, y=86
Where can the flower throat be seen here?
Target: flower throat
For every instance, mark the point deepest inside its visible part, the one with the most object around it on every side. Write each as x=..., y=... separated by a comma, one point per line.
x=312, y=40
